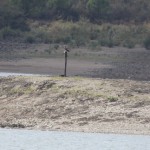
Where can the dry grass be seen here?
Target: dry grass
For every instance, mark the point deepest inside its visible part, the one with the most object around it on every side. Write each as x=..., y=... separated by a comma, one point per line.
x=75, y=104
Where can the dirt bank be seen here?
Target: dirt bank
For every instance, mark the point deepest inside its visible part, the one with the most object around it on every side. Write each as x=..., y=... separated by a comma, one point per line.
x=75, y=104
x=112, y=63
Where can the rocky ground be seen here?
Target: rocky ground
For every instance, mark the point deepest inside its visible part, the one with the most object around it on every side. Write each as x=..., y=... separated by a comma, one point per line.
x=112, y=63
x=75, y=104
x=114, y=98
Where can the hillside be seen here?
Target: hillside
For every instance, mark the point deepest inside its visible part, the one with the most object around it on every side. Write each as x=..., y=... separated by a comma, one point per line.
x=80, y=23
x=75, y=104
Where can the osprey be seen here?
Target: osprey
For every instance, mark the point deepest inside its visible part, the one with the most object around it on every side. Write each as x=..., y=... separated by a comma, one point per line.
x=66, y=48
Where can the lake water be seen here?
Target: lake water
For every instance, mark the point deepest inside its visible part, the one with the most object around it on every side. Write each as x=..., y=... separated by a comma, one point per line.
x=6, y=74
x=12, y=139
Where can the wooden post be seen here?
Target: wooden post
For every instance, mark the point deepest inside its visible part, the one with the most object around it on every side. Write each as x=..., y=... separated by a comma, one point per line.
x=65, y=71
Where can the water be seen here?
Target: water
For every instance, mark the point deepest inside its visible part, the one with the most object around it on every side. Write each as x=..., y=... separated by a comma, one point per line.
x=46, y=140
x=6, y=74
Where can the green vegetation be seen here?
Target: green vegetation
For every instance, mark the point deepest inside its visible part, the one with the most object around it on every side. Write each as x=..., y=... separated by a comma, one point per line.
x=90, y=23
x=147, y=42
x=95, y=10
x=87, y=34
x=112, y=99
x=12, y=17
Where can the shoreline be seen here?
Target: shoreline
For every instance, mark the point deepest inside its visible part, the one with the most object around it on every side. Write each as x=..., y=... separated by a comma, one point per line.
x=111, y=63
x=82, y=132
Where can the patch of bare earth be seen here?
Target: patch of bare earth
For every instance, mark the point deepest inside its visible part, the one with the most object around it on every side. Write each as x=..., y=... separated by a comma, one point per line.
x=75, y=104
x=112, y=63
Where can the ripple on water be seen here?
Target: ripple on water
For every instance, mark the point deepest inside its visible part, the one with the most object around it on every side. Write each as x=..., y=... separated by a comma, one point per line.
x=45, y=140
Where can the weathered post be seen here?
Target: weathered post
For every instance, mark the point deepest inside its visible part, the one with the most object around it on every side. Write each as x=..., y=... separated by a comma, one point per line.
x=66, y=55
x=65, y=71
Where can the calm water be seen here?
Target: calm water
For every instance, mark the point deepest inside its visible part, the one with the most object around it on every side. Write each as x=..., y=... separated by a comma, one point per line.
x=45, y=140
x=5, y=74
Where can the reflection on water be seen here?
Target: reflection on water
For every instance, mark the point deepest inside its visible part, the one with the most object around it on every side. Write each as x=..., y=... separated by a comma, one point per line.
x=45, y=140
x=6, y=74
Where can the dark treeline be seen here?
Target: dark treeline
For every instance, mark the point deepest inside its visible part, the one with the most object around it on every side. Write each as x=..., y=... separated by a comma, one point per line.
x=94, y=10
x=84, y=21
x=97, y=11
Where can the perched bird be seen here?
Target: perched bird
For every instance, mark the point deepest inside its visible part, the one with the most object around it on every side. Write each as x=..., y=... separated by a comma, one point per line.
x=66, y=48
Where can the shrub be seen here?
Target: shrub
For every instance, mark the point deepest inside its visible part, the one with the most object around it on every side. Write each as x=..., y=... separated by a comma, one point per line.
x=29, y=39
x=66, y=39
x=49, y=51
x=112, y=99
x=56, y=46
x=129, y=44
x=13, y=18
x=147, y=42
x=94, y=44
x=107, y=42
x=7, y=32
